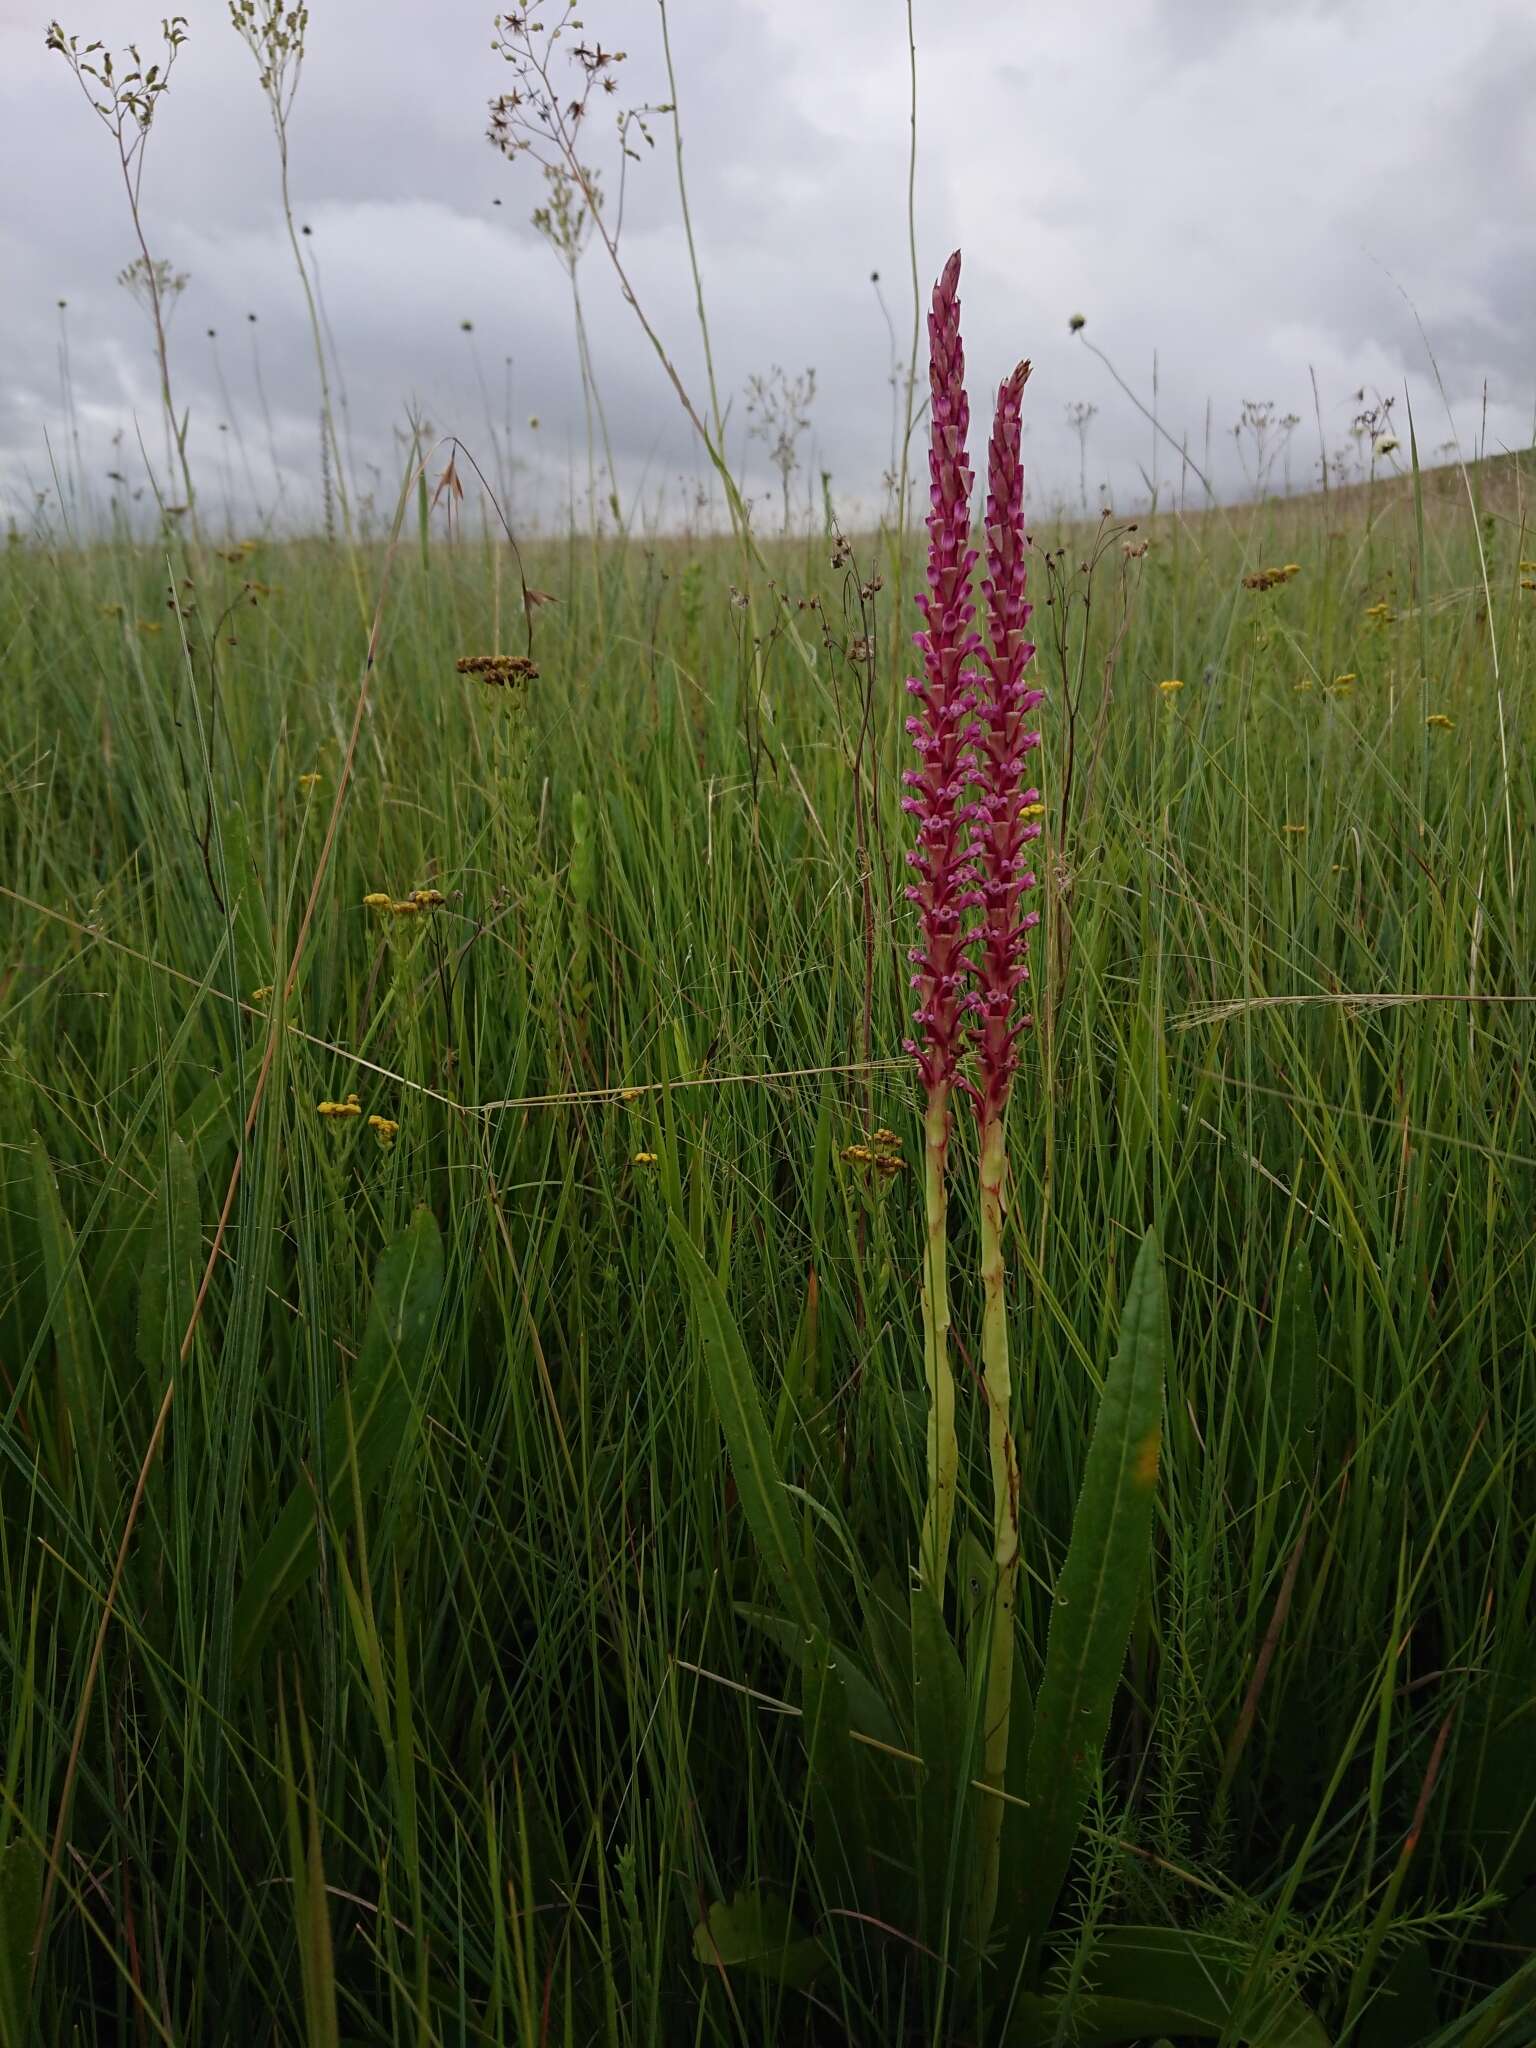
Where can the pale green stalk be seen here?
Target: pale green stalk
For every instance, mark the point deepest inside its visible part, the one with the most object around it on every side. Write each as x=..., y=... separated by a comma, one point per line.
x=943, y=1448
x=997, y=1380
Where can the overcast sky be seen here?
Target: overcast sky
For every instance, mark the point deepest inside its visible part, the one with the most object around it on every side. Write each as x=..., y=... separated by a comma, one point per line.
x=1254, y=194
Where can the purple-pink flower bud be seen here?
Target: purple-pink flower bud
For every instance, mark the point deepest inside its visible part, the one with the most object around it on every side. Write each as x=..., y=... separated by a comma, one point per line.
x=1001, y=742
x=942, y=728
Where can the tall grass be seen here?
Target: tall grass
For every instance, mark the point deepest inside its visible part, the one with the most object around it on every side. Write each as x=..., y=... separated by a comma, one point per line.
x=503, y=1729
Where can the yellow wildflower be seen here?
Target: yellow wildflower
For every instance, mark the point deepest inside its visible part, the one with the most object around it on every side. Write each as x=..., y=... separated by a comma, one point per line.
x=259, y=995
x=1440, y=723
x=350, y=1107
x=877, y=1155
x=377, y=900
x=428, y=899
x=384, y=1129
x=1305, y=683
x=644, y=1159
x=1291, y=569
x=1171, y=684
x=1032, y=811
x=498, y=669
x=311, y=780
x=409, y=907
x=630, y=1094
x=1295, y=828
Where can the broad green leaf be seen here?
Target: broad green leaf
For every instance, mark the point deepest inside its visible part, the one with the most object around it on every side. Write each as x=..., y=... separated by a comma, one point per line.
x=1405, y=2009
x=74, y=1336
x=1166, y=1980
x=757, y=1932
x=838, y=1776
x=21, y=1893
x=381, y=1429
x=942, y=1720
x=168, y=1275
x=747, y=1439
x=1293, y=1382
x=1096, y=1594
x=868, y=1712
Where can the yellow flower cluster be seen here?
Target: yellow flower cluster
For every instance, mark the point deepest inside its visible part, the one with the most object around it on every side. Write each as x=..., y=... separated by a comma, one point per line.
x=1271, y=578
x=310, y=781
x=1439, y=722
x=405, y=906
x=1171, y=684
x=881, y=1155
x=498, y=669
x=1380, y=614
x=643, y=1159
x=384, y=1128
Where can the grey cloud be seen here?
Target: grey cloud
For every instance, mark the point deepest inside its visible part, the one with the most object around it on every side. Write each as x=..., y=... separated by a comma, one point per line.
x=1241, y=192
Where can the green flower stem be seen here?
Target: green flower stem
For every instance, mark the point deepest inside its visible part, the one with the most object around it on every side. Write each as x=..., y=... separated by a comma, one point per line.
x=998, y=1383
x=943, y=1449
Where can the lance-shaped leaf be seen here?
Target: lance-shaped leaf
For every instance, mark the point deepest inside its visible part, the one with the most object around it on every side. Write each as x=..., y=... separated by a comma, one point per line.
x=1097, y=1593
x=748, y=1439
x=380, y=1431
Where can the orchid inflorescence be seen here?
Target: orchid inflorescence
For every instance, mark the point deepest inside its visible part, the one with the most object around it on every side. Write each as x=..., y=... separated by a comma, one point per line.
x=976, y=820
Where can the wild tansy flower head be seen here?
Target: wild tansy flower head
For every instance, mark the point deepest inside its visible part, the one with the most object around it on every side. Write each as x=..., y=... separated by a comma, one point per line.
x=1171, y=683
x=1439, y=722
x=311, y=780
x=351, y=1107
x=385, y=1129
x=643, y=1159
x=1271, y=578
x=874, y=1158
x=428, y=899
x=376, y=899
x=259, y=995
x=498, y=669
